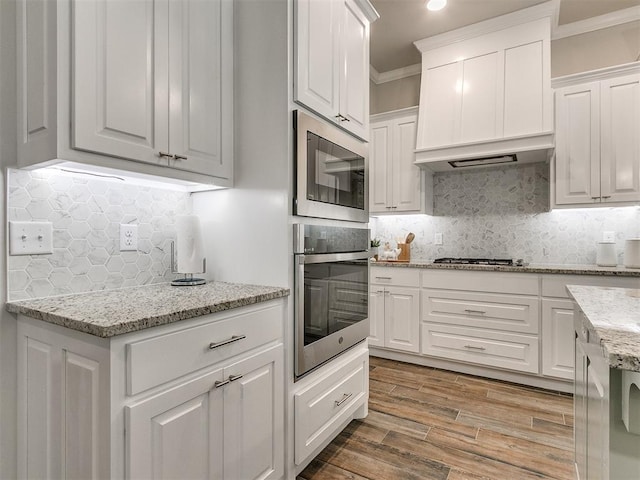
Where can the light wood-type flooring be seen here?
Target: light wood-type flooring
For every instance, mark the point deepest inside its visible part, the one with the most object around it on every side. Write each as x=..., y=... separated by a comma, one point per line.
x=426, y=423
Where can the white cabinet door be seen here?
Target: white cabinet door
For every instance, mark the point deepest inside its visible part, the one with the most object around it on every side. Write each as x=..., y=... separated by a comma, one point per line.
x=63, y=392
x=376, y=316
x=580, y=410
x=178, y=433
x=200, y=123
x=119, y=70
x=620, y=141
x=597, y=425
x=402, y=319
x=253, y=417
x=317, y=68
x=405, y=176
x=578, y=144
x=557, y=337
x=380, y=154
x=396, y=183
x=354, y=68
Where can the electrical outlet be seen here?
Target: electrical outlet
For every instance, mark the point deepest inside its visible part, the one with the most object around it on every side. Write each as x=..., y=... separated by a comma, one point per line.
x=437, y=239
x=609, y=237
x=30, y=238
x=128, y=237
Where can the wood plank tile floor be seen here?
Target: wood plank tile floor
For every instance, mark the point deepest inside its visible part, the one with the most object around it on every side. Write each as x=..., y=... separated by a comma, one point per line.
x=426, y=423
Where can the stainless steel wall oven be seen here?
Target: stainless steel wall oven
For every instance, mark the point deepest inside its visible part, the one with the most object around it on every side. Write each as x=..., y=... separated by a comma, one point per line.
x=331, y=292
x=331, y=172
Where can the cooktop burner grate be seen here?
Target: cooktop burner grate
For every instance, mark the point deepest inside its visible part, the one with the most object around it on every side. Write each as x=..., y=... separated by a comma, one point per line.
x=476, y=261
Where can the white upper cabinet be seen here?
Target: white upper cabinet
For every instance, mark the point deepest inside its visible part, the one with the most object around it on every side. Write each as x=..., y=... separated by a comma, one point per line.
x=397, y=185
x=487, y=82
x=141, y=86
x=597, y=142
x=332, y=60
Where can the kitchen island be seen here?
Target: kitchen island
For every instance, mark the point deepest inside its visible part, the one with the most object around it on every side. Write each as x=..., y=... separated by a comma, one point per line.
x=607, y=382
x=152, y=381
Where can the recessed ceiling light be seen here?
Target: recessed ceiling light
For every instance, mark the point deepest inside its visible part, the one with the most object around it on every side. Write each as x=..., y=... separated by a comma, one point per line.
x=435, y=5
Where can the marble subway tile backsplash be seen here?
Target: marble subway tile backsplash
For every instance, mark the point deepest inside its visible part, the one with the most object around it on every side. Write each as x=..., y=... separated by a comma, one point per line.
x=86, y=212
x=504, y=212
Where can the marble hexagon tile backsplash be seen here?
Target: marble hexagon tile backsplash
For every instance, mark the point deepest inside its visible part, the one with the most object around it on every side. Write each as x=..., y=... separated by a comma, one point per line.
x=503, y=212
x=86, y=212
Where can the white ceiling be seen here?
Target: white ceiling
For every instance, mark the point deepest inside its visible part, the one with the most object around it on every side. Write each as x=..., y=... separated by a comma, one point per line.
x=402, y=22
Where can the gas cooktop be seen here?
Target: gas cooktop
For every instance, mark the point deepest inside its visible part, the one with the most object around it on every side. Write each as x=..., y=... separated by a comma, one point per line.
x=481, y=261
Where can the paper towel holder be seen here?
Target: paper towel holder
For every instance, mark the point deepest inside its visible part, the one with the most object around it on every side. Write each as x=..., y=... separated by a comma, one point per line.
x=188, y=280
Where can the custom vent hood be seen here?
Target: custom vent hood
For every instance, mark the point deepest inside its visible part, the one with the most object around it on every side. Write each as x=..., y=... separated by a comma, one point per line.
x=485, y=94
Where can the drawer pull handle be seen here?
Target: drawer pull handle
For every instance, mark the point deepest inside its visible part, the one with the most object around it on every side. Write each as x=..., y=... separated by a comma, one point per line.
x=179, y=157
x=472, y=347
x=164, y=155
x=235, y=338
x=219, y=384
x=481, y=312
x=344, y=398
x=233, y=378
x=605, y=196
x=383, y=278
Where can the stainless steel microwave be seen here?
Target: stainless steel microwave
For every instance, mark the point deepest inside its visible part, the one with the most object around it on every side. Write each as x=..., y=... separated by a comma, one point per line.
x=332, y=172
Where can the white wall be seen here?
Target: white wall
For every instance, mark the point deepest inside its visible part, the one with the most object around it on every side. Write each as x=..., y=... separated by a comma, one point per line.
x=7, y=321
x=246, y=228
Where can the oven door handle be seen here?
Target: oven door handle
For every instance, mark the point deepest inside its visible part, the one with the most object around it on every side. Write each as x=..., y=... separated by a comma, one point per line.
x=333, y=257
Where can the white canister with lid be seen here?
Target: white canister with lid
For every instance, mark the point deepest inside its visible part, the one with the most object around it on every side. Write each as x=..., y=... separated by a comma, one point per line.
x=632, y=253
x=606, y=254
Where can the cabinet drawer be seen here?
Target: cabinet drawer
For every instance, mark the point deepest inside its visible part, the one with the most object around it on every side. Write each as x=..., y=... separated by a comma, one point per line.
x=408, y=277
x=485, y=310
x=325, y=404
x=159, y=359
x=556, y=285
x=495, y=349
x=481, y=281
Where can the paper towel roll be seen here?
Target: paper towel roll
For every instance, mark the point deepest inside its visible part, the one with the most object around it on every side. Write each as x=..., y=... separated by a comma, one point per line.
x=189, y=244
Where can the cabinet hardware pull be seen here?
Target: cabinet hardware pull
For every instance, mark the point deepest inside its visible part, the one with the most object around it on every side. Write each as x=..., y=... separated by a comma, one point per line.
x=394, y=207
x=606, y=196
x=234, y=338
x=481, y=312
x=233, y=378
x=219, y=384
x=472, y=347
x=595, y=198
x=383, y=278
x=344, y=398
x=179, y=157
x=164, y=154
x=380, y=291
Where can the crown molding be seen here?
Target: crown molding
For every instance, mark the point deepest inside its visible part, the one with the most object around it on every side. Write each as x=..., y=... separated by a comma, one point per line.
x=596, y=75
x=392, y=75
x=543, y=10
x=369, y=11
x=607, y=20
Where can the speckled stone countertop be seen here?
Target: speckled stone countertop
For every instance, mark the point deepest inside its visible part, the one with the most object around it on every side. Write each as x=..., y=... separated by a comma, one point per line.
x=107, y=313
x=530, y=268
x=613, y=315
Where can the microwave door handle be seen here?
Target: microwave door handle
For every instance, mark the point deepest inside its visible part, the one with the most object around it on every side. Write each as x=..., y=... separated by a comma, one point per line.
x=335, y=257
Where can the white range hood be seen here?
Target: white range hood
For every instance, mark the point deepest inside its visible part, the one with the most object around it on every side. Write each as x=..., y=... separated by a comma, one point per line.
x=485, y=94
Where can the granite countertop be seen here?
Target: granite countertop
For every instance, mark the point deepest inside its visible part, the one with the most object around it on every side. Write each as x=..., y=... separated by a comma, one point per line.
x=619, y=271
x=613, y=315
x=107, y=313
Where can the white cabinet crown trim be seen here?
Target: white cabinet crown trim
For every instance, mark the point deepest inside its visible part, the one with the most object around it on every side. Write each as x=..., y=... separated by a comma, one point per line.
x=595, y=75
x=544, y=10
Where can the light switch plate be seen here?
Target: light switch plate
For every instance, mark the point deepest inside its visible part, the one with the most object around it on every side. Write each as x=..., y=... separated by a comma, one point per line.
x=437, y=239
x=30, y=238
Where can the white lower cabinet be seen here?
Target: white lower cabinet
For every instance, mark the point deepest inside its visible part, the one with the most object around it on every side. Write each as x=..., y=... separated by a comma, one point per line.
x=478, y=323
x=394, y=312
x=196, y=431
x=325, y=402
x=214, y=408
